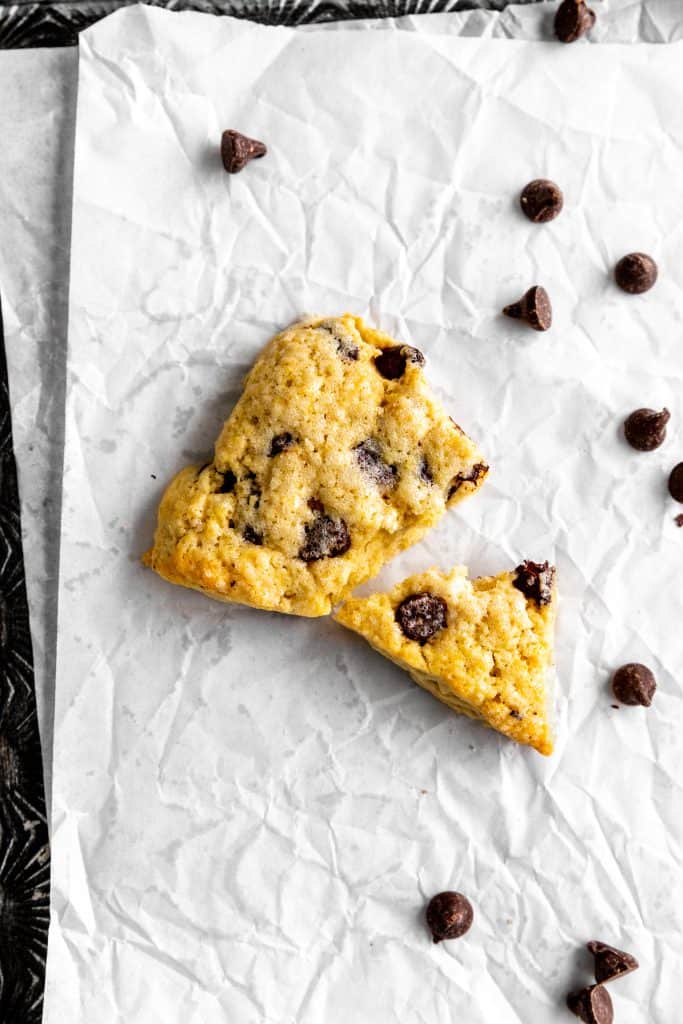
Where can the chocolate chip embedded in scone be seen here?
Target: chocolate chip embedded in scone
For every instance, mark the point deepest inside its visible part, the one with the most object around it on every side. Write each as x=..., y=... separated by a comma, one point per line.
x=573, y=19
x=449, y=916
x=421, y=616
x=535, y=580
x=320, y=460
x=592, y=1005
x=645, y=429
x=611, y=963
x=326, y=537
x=369, y=457
x=237, y=150
x=534, y=308
x=391, y=362
x=471, y=476
x=636, y=273
x=541, y=200
x=634, y=684
x=473, y=644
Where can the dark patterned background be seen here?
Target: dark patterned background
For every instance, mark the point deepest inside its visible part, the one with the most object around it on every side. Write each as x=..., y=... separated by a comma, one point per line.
x=24, y=849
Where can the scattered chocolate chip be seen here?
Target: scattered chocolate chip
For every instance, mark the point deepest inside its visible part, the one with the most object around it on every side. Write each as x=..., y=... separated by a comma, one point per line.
x=325, y=538
x=678, y=520
x=634, y=684
x=541, y=200
x=449, y=916
x=252, y=535
x=280, y=443
x=424, y=471
x=636, y=273
x=592, y=1005
x=345, y=347
x=676, y=482
x=472, y=476
x=515, y=714
x=153, y=476
x=228, y=484
x=645, y=429
x=572, y=20
x=535, y=580
x=420, y=616
x=611, y=963
x=615, y=706
x=391, y=362
x=533, y=308
x=369, y=456
x=237, y=150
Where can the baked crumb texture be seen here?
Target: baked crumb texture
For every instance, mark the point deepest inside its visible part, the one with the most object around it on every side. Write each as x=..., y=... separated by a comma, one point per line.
x=492, y=660
x=336, y=457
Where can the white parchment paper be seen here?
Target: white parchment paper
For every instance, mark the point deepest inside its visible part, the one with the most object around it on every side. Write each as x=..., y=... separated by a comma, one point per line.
x=249, y=811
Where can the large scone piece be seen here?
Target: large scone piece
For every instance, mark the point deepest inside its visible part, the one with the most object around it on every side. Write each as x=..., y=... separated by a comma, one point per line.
x=482, y=646
x=336, y=457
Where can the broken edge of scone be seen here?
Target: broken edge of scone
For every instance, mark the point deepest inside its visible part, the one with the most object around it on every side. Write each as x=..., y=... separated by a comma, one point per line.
x=482, y=646
x=295, y=510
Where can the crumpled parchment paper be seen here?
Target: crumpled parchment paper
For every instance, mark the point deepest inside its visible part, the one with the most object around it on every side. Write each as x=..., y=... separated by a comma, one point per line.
x=250, y=811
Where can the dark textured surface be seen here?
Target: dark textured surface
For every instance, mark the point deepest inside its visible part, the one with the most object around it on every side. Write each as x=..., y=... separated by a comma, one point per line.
x=24, y=851
x=58, y=24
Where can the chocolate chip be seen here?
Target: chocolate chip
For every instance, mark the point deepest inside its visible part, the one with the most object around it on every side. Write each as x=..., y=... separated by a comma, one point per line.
x=636, y=273
x=237, y=150
x=676, y=482
x=535, y=580
x=541, y=200
x=516, y=714
x=369, y=456
x=325, y=538
x=252, y=535
x=611, y=963
x=280, y=443
x=573, y=19
x=391, y=362
x=421, y=616
x=316, y=505
x=424, y=471
x=678, y=520
x=472, y=476
x=645, y=429
x=533, y=308
x=254, y=489
x=634, y=684
x=592, y=1005
x=449, y=916
x=345, y=347
x=228, y=484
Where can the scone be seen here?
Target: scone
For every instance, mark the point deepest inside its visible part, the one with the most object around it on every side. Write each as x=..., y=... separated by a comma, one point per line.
x=336, y=457
x=482, y=646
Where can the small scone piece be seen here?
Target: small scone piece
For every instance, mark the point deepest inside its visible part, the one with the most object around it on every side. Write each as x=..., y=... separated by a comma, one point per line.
x=336, y=457
x=482, y=646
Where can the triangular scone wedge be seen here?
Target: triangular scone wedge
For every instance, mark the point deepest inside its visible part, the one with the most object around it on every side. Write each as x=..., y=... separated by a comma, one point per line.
x=336, y=457
x=482, y=646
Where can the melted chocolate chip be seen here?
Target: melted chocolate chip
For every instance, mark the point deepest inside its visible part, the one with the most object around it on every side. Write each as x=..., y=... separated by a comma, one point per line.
x=424, y=471
x=421, y=616
x=228, y=484
x=534, y=308
x=391, y=362
x=636, y=273
x=325, y=537
x=472, y=476
x=369, y=456
x=237, y=150
x=592, y=1005
x=449, y=916
x=676, y=482
x=252, y=535
x=611, y=963
x=345, y=347
x=541, y=200
x=535, y=580
x=645, y=429
x=634, y=684
x=280, y=443
x=572, y=20
x=316, y=505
